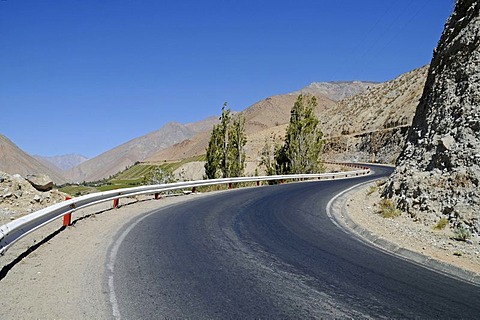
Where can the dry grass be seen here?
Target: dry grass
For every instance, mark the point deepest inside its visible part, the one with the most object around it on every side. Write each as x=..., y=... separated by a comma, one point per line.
x=387, y=209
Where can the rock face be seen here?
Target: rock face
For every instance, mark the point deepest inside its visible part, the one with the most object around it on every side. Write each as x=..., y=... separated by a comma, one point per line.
x=438, y=171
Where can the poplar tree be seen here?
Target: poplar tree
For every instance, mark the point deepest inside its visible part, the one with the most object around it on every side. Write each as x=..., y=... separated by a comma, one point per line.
x=236, y=147
x=224, y=140
x=214, y=154
x=225, y=154
x=303, y=140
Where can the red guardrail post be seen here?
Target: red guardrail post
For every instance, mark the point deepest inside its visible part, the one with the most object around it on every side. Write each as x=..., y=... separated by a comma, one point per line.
x=67, y=219
x=230, y=185
x=194, y=189
x=157, y=195
x=115, y=203
x=258, y=183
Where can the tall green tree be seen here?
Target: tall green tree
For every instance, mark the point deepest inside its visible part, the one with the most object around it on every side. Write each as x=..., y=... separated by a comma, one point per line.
x=225, y=154
x=301, y=152
x=236, y=147
x=214, y=154
x=224, y=132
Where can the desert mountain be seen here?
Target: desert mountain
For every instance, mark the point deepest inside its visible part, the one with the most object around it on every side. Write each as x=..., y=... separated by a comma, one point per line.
x=63, y=162
x=137, y=149
x=438, y=172
x=15, y=161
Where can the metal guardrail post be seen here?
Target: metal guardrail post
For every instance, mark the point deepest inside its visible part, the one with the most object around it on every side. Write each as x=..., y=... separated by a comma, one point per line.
x=67, y=218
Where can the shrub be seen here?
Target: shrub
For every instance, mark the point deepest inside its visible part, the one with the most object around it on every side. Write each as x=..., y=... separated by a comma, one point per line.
x=441, y=224
x=461, y=234
x=388, y=209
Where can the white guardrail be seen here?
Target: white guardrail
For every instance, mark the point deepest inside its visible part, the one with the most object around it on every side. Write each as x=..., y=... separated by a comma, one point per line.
x=17, y=229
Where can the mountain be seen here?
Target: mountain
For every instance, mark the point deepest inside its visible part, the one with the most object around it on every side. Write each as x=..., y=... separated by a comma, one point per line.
x=125, y=155
x=337, y=90
x=63, y=162
x=13, y=160
x=372, y=126
x=438, y=171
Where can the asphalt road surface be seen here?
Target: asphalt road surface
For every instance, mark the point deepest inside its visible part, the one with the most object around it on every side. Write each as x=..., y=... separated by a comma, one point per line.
x=271, y=253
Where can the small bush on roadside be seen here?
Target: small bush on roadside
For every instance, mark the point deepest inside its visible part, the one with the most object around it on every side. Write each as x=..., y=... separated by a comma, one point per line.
x=461, y=234
x=388, y=209
x=441, y=224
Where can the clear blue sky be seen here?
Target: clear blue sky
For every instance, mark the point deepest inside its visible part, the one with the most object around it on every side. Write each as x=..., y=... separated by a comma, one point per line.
x=85, y=76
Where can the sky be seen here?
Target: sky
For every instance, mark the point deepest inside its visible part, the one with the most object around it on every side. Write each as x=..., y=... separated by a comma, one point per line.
x=86, y=76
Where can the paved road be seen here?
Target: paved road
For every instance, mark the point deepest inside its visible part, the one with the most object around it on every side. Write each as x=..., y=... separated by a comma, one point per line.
x=272, y=253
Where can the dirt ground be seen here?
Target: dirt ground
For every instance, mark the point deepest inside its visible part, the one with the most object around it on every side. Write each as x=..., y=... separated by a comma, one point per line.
x=362, y=208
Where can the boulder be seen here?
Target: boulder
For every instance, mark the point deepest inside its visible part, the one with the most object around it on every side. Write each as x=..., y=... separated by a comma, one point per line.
x=41, y=182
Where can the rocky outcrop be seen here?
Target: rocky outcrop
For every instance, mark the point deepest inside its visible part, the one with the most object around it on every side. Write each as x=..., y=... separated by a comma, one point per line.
x=382, y=146
x=18, y=197
x=438, y=171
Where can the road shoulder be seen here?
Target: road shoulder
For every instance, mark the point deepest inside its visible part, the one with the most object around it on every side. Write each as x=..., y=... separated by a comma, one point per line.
x=355, y=212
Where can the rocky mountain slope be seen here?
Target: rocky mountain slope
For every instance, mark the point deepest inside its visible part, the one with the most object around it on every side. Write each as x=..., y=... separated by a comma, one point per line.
x=372, y=126
x=15, y=161
x=62, y=162
x=438, y=171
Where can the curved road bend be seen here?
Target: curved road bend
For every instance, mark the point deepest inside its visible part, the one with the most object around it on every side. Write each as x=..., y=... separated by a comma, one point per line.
x=272, y=253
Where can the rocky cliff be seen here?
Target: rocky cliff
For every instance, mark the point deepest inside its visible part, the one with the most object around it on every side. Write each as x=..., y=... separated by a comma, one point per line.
x=438, y=171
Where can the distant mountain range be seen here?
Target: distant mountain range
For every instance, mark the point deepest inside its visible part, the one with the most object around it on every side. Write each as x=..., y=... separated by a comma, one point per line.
x=117, y=159
x=268, y=117
x=63, y=162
